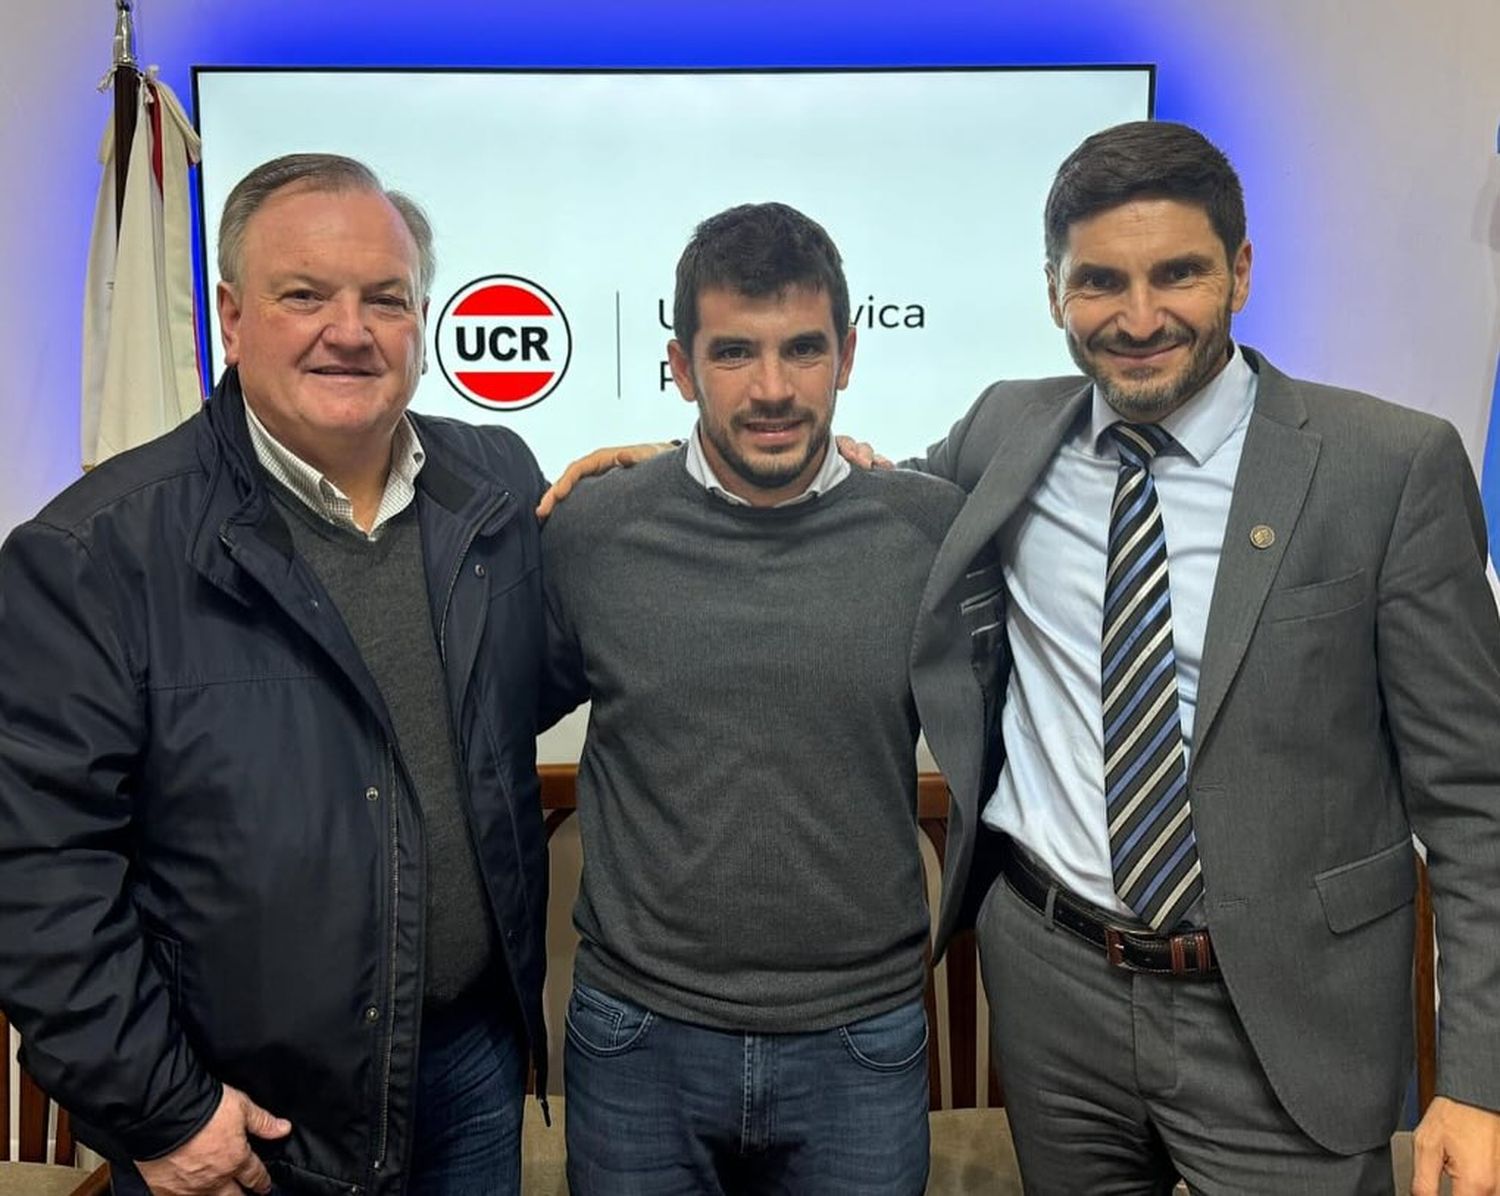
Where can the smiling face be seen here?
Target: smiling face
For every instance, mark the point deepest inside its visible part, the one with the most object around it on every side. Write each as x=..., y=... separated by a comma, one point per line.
x=325, y=322
x=765, y=373
x=1144, y=293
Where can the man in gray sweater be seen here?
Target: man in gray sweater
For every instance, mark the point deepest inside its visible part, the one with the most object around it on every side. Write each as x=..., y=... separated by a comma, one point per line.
x=747, y=1004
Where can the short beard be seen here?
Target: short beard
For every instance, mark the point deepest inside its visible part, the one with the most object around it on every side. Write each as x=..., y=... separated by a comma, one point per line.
x=772, y=473
x=1153, y=404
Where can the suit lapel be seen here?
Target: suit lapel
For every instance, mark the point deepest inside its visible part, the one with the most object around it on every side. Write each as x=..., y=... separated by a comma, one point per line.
x=1276, y=468
x=1020, y=454
x=946, y=684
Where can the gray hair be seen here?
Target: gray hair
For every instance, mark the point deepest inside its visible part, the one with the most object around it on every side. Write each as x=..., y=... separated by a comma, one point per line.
x=316, y=172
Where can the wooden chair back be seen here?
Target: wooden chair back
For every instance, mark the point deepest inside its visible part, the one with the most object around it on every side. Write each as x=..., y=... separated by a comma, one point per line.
x=34, y=1115
x=958, y=1019
x=1424, y=983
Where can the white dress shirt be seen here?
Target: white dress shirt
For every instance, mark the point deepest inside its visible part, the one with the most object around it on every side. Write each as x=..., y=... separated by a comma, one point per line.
x=1050, y=797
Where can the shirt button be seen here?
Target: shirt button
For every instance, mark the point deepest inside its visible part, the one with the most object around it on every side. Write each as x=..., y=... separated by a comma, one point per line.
x=371, y=1014
x=479, y=569
x=372, y=794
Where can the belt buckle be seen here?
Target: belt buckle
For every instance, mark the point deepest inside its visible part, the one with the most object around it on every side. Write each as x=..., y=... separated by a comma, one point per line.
x=1114, y=948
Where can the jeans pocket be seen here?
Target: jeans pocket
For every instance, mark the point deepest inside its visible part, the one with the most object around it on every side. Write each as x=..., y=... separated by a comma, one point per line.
x=891, y=1041
x=604, y=1024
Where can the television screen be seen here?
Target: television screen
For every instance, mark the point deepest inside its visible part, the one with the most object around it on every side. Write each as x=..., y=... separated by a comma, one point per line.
x=562, y=199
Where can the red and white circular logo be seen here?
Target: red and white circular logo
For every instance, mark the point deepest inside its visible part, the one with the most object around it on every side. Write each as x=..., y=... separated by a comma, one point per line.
x=503, y=342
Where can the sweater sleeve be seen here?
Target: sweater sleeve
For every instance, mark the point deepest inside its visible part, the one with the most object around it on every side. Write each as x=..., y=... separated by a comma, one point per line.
x=564, y=683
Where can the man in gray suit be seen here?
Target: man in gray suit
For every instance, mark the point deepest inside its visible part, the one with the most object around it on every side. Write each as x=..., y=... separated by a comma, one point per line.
x=1205, y=647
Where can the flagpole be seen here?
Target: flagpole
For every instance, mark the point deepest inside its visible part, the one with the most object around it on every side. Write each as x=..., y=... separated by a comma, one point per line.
x=127, y=93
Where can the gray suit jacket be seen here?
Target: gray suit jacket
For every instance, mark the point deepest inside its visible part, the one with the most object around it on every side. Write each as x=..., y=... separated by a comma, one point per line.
x=1350, y=696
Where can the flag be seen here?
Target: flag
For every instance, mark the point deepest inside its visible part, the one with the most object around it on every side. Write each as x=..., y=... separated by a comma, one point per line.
x=141, y=373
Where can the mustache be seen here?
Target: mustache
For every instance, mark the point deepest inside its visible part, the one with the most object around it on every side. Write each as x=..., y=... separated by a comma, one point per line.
x=1168, y=337
x=786, y=409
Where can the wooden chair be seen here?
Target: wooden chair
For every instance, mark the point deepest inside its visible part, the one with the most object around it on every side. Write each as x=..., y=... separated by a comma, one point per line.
x=1424, y=989
x=971, y=1144
x=31, y=1173
x=543, y=1147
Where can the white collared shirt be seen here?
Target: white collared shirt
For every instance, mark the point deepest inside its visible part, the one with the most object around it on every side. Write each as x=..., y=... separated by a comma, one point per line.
x=1054, y=551
x=312, y=486
x=833, y=471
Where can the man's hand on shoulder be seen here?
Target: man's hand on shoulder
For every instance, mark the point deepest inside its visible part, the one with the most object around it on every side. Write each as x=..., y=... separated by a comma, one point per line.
x=861, y=455
x=218, y=1160
x=1461, y=1141
x=597, y=462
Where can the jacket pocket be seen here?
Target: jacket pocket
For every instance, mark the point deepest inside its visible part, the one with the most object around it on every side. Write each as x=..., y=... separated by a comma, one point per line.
x=289, y=1178
x=1358, y=893
x=166, y=954
x=1320, y=598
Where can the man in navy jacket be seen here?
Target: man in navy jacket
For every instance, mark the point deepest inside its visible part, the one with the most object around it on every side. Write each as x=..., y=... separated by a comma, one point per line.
x=272, y=872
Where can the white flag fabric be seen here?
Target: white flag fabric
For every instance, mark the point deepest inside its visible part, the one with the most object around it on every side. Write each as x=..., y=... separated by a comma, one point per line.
x=141, y=374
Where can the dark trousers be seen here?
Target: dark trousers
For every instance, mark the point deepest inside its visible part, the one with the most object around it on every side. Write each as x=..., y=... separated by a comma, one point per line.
x=1117, y=1082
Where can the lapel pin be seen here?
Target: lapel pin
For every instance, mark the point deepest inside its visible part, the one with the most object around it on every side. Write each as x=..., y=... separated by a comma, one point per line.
x=1262, y=536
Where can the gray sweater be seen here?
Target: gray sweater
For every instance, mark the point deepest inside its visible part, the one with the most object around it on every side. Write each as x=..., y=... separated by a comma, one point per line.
x=747, y=789
x=380, y=590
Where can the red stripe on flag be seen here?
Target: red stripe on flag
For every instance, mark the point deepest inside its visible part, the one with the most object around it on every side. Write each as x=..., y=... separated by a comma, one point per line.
x=505, y=388
x=155, y=107
x=158, y=164
x=502, y=299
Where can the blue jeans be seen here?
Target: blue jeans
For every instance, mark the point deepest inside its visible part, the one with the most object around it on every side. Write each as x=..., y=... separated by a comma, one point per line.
x=471, y=1092
x=658, y=1106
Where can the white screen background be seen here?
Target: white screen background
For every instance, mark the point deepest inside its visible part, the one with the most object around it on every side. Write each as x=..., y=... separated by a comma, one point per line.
x=930, y=182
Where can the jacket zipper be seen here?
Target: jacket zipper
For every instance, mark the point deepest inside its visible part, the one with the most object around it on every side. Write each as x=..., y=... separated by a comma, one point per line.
x=458, y=565
x=390, y=994
x=390, y=1036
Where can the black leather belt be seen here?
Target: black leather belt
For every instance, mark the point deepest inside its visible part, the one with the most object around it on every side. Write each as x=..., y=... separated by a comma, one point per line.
x=1189, y=955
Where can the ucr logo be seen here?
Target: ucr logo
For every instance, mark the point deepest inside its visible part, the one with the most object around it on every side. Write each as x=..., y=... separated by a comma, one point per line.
x=503, y=342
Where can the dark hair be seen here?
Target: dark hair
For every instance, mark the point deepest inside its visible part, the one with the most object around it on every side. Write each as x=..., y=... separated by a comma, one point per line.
x=315, y=172
x=758, y=249
x=1145, y=159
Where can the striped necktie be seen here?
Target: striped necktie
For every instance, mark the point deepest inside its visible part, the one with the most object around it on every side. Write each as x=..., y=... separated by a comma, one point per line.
x=1153, y=851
